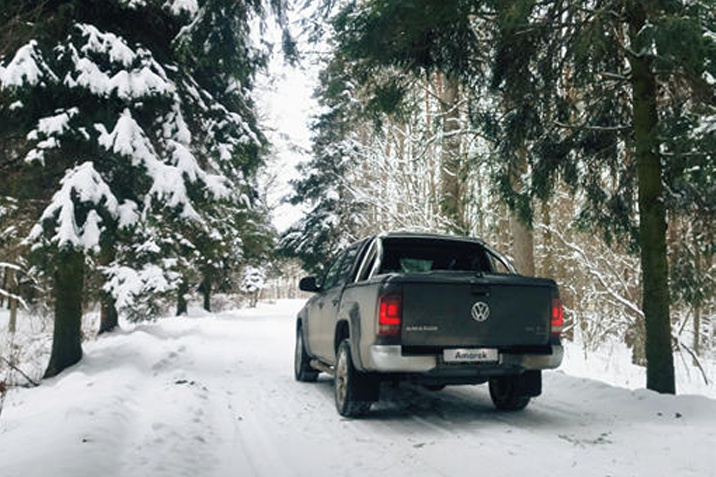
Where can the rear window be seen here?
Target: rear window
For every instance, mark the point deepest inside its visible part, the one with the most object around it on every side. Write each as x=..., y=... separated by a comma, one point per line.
x=425, y=255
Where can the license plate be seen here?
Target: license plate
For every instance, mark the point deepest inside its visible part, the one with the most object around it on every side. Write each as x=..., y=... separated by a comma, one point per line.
x=471, y=355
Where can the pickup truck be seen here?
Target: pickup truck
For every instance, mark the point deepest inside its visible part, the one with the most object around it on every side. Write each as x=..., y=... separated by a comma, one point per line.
x=434, y=310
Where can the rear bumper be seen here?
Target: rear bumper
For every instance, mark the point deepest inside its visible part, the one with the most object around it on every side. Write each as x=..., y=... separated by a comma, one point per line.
x=390, y=359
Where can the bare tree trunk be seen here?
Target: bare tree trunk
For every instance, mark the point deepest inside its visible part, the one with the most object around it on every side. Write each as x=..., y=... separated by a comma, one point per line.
x=697, y=301
x=108, y=316
x=547, y=269
x=12, y=301
x=652, y=215
x=12, y=325
x=522, y=236
x=452, y=203
x=523, y=246
x=205, y=289
x=4, y=287
x=182, y=305
x=67, y=334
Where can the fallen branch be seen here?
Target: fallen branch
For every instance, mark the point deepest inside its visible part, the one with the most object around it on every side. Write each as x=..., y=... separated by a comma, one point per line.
x=29, y=379
x=696, y=361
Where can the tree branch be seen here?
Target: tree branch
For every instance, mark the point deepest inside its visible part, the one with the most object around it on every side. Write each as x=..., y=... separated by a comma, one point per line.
x=28, y=378
x=697, y=361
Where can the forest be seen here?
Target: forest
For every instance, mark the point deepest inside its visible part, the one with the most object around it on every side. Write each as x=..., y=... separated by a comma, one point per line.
x=579, y=138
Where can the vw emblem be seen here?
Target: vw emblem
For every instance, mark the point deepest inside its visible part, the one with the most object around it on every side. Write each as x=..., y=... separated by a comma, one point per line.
x=480, y=311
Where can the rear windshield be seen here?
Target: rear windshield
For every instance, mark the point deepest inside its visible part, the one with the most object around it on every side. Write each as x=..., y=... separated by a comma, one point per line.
x=410, y=255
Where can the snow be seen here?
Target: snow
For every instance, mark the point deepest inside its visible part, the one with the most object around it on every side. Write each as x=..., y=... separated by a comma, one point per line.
x=52, y=125
x=128, y=139
x=705, y=127
x=85, y=183
x=135, y=4
x=253, y=280
x=49, y=127
x=23, y=68
x=107, y=43
x=125, y=284
x=214, y=394
x=179, y=6
x=142, y=77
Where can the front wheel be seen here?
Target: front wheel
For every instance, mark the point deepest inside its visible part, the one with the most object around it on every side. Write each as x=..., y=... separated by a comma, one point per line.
x=505, y=393
x=346, y=384
x=301, y=362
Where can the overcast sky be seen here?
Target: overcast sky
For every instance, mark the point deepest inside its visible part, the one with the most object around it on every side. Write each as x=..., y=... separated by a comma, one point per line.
x=286, y=103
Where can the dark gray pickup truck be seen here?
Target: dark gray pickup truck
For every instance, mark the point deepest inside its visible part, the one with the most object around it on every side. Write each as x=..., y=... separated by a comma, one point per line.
x=430, y=309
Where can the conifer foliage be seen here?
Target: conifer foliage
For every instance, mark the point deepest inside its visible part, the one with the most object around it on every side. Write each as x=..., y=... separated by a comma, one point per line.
x=131, y=121
x=611, y=102
x=328, y=184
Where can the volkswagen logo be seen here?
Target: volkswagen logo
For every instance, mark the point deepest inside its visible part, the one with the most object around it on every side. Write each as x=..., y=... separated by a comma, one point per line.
x=480, y=311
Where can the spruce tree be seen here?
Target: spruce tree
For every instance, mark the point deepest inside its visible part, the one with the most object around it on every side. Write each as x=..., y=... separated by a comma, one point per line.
x=333, y=218
x=133, y=122
x=617, y=75
x=614, y=98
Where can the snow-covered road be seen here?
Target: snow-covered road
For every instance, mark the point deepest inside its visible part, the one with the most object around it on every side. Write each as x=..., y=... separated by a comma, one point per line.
x=215, y=396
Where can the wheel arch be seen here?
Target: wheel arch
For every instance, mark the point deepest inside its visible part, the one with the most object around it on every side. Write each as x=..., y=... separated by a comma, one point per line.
x=301, y=327
x=348, y=327
x=342, y=332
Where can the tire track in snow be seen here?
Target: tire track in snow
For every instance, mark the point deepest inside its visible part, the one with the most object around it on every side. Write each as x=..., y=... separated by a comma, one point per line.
x=281, y=427
x=263, y=423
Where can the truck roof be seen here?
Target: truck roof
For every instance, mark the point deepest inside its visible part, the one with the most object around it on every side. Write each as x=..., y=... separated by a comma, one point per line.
x=429, y=235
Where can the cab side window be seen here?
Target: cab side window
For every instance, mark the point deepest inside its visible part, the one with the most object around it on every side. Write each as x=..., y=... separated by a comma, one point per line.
x=368, y=262
x=341, y=268
x=346, y=269
x=329, y=280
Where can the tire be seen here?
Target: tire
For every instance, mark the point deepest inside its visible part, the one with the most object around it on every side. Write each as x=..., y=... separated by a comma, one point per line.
x=346, y=383
x=302, y=369
x=503, y=392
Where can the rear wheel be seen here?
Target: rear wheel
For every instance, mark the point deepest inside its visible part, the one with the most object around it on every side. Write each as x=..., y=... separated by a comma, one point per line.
x=301, y=361
x=504, y=391
x=346, y=384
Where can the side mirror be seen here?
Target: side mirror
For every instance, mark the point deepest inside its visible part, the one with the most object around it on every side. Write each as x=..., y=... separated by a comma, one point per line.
x=308, y=284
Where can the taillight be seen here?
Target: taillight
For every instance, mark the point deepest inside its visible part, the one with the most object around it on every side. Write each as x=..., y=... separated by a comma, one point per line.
x=557, y=316
x=389, y=314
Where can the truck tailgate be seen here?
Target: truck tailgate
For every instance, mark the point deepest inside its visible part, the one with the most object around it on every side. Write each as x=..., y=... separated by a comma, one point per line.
x=477, y=314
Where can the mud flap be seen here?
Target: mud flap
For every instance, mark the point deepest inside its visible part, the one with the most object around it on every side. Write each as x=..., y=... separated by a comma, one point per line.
x=367, y=388
x=529, y=384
